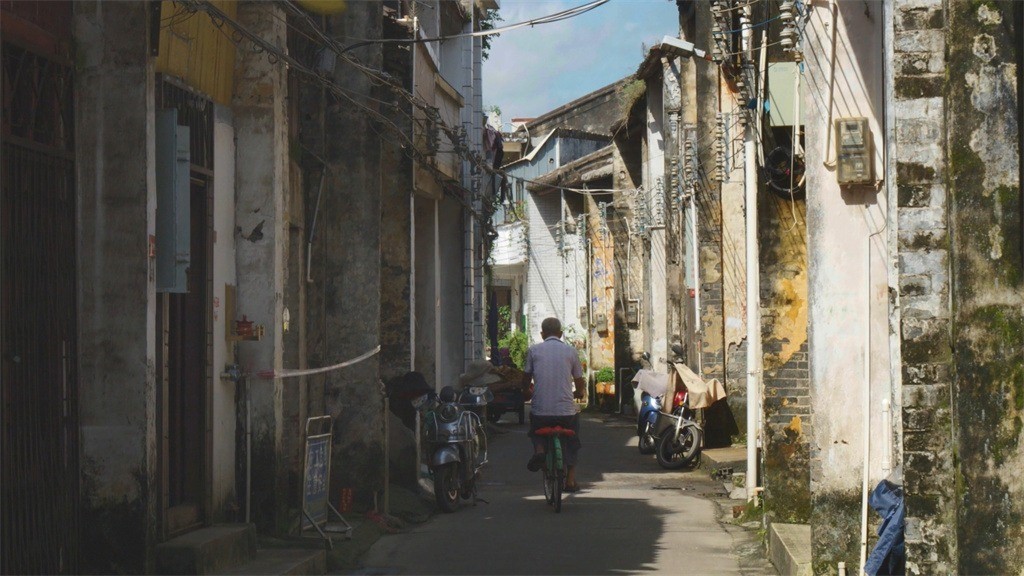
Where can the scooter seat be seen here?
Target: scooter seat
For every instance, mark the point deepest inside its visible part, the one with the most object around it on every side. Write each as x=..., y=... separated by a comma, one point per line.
x=554, y=431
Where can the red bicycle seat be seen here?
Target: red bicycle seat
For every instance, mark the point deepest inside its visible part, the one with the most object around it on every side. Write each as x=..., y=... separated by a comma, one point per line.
x=554, y=431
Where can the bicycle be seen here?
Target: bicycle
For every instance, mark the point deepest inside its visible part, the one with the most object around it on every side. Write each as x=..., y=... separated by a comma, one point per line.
x=554, y=464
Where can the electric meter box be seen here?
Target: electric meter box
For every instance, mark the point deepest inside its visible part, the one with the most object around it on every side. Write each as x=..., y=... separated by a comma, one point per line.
x=854, y=160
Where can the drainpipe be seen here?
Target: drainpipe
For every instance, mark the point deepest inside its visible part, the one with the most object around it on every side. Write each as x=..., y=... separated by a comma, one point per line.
x=412, y=278
x=696, y=281
x=438, y=345
x=753, y=282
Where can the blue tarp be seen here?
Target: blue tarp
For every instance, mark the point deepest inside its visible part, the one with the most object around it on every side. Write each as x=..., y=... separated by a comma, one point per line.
x=889, y=554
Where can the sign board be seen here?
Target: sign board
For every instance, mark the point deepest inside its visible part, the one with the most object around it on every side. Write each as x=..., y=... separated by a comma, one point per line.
x=316, y=479
x=316, y=482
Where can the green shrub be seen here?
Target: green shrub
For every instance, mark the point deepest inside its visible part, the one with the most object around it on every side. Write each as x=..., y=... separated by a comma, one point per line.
x=517, y=343
x=605, y=374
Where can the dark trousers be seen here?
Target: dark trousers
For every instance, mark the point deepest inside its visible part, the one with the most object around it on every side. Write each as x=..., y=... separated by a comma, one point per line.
x=570, y=444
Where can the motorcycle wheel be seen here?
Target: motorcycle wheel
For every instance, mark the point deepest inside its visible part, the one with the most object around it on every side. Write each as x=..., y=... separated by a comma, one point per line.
x=647, y=443
x=446, y=487
x=675, y=451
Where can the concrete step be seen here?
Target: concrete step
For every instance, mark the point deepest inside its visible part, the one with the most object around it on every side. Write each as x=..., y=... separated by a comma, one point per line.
x=734, y=457
x=281, y=562
x=208, y=550
x=789, y=547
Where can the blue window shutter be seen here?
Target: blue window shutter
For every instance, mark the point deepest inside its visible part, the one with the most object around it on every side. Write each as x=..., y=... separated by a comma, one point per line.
x=173, y=189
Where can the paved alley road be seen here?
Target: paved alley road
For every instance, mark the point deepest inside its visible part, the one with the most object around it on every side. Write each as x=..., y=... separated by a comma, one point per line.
x=630, y=517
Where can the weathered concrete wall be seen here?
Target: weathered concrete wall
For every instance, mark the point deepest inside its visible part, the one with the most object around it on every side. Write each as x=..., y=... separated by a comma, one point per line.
x=628, y=257
x=595, y=113
x=924, y=286
x=656, y=277
x=224, y=406
x=786, y=381
x=115, y=144
x=602, y=287
x=722, y=420
x=450, y=236
x=426, y=306
x=733, y=323
x=261, y=179
x=544, y=277
x=396, y=223
x=985, y=49
x=345, y=297
x=847, y=298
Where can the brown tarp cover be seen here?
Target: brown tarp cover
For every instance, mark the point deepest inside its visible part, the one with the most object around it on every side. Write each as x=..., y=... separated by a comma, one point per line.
x=703, y=393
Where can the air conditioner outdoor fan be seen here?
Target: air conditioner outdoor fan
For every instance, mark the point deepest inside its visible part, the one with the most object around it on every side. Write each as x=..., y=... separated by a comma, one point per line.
x=777, y=166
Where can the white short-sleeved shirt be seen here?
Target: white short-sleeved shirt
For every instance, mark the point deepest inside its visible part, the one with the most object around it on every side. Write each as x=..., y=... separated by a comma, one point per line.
x=553, y=364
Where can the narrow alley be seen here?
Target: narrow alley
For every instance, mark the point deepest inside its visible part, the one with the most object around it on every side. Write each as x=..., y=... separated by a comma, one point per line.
x=255, y=253
x=630, y=516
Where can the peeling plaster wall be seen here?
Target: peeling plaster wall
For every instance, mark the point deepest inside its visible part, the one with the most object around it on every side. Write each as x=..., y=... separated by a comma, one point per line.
x=344, y=298
x=262, y=181
x=628, y=262
x=847, y=299
x=719, y=266
x=655, y=309
x=787, y=426
x=116, y=181
x=602, y=287
x=426, y=293
x=709, y=228
x=396, y=245
x=224, y=406
x=985, y=46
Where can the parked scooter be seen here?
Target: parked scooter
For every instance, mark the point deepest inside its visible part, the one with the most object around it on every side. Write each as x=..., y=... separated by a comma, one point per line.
x=675, y=438
x=652, y=386
x=456, y=441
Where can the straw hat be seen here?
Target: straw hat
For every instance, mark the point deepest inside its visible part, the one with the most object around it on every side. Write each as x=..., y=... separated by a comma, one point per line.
x=478, y=374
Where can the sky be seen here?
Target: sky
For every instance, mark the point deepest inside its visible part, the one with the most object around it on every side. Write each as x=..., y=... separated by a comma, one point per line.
x=533, y=70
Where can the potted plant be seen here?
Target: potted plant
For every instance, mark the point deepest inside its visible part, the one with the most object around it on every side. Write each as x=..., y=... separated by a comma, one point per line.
x=605, y=379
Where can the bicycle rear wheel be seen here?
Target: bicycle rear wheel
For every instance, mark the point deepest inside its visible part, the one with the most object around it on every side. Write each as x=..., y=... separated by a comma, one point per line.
x=557, y=498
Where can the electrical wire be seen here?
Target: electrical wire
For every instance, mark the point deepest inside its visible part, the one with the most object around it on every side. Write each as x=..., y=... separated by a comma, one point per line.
x=550, y=18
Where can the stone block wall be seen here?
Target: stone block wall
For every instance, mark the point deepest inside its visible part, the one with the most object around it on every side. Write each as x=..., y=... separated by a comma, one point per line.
x=923, y=249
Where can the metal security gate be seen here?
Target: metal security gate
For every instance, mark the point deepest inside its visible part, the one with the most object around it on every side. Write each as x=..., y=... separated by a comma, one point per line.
x=38, y=380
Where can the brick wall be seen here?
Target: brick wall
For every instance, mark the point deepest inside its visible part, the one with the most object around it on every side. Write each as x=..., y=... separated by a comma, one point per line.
x=787, y=424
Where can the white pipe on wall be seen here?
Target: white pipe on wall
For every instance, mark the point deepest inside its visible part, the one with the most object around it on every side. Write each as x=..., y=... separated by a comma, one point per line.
x=866, y=409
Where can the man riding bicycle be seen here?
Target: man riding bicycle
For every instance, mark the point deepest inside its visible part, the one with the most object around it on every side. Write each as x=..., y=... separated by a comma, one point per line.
x=556, y=373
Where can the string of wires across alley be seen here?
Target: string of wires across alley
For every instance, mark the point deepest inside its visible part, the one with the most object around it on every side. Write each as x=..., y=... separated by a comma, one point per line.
x=240, y=34
x=311, y=30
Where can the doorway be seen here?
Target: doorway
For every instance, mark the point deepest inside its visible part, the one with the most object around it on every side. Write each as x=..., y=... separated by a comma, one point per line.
x=39, y=436
x=187, y=373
